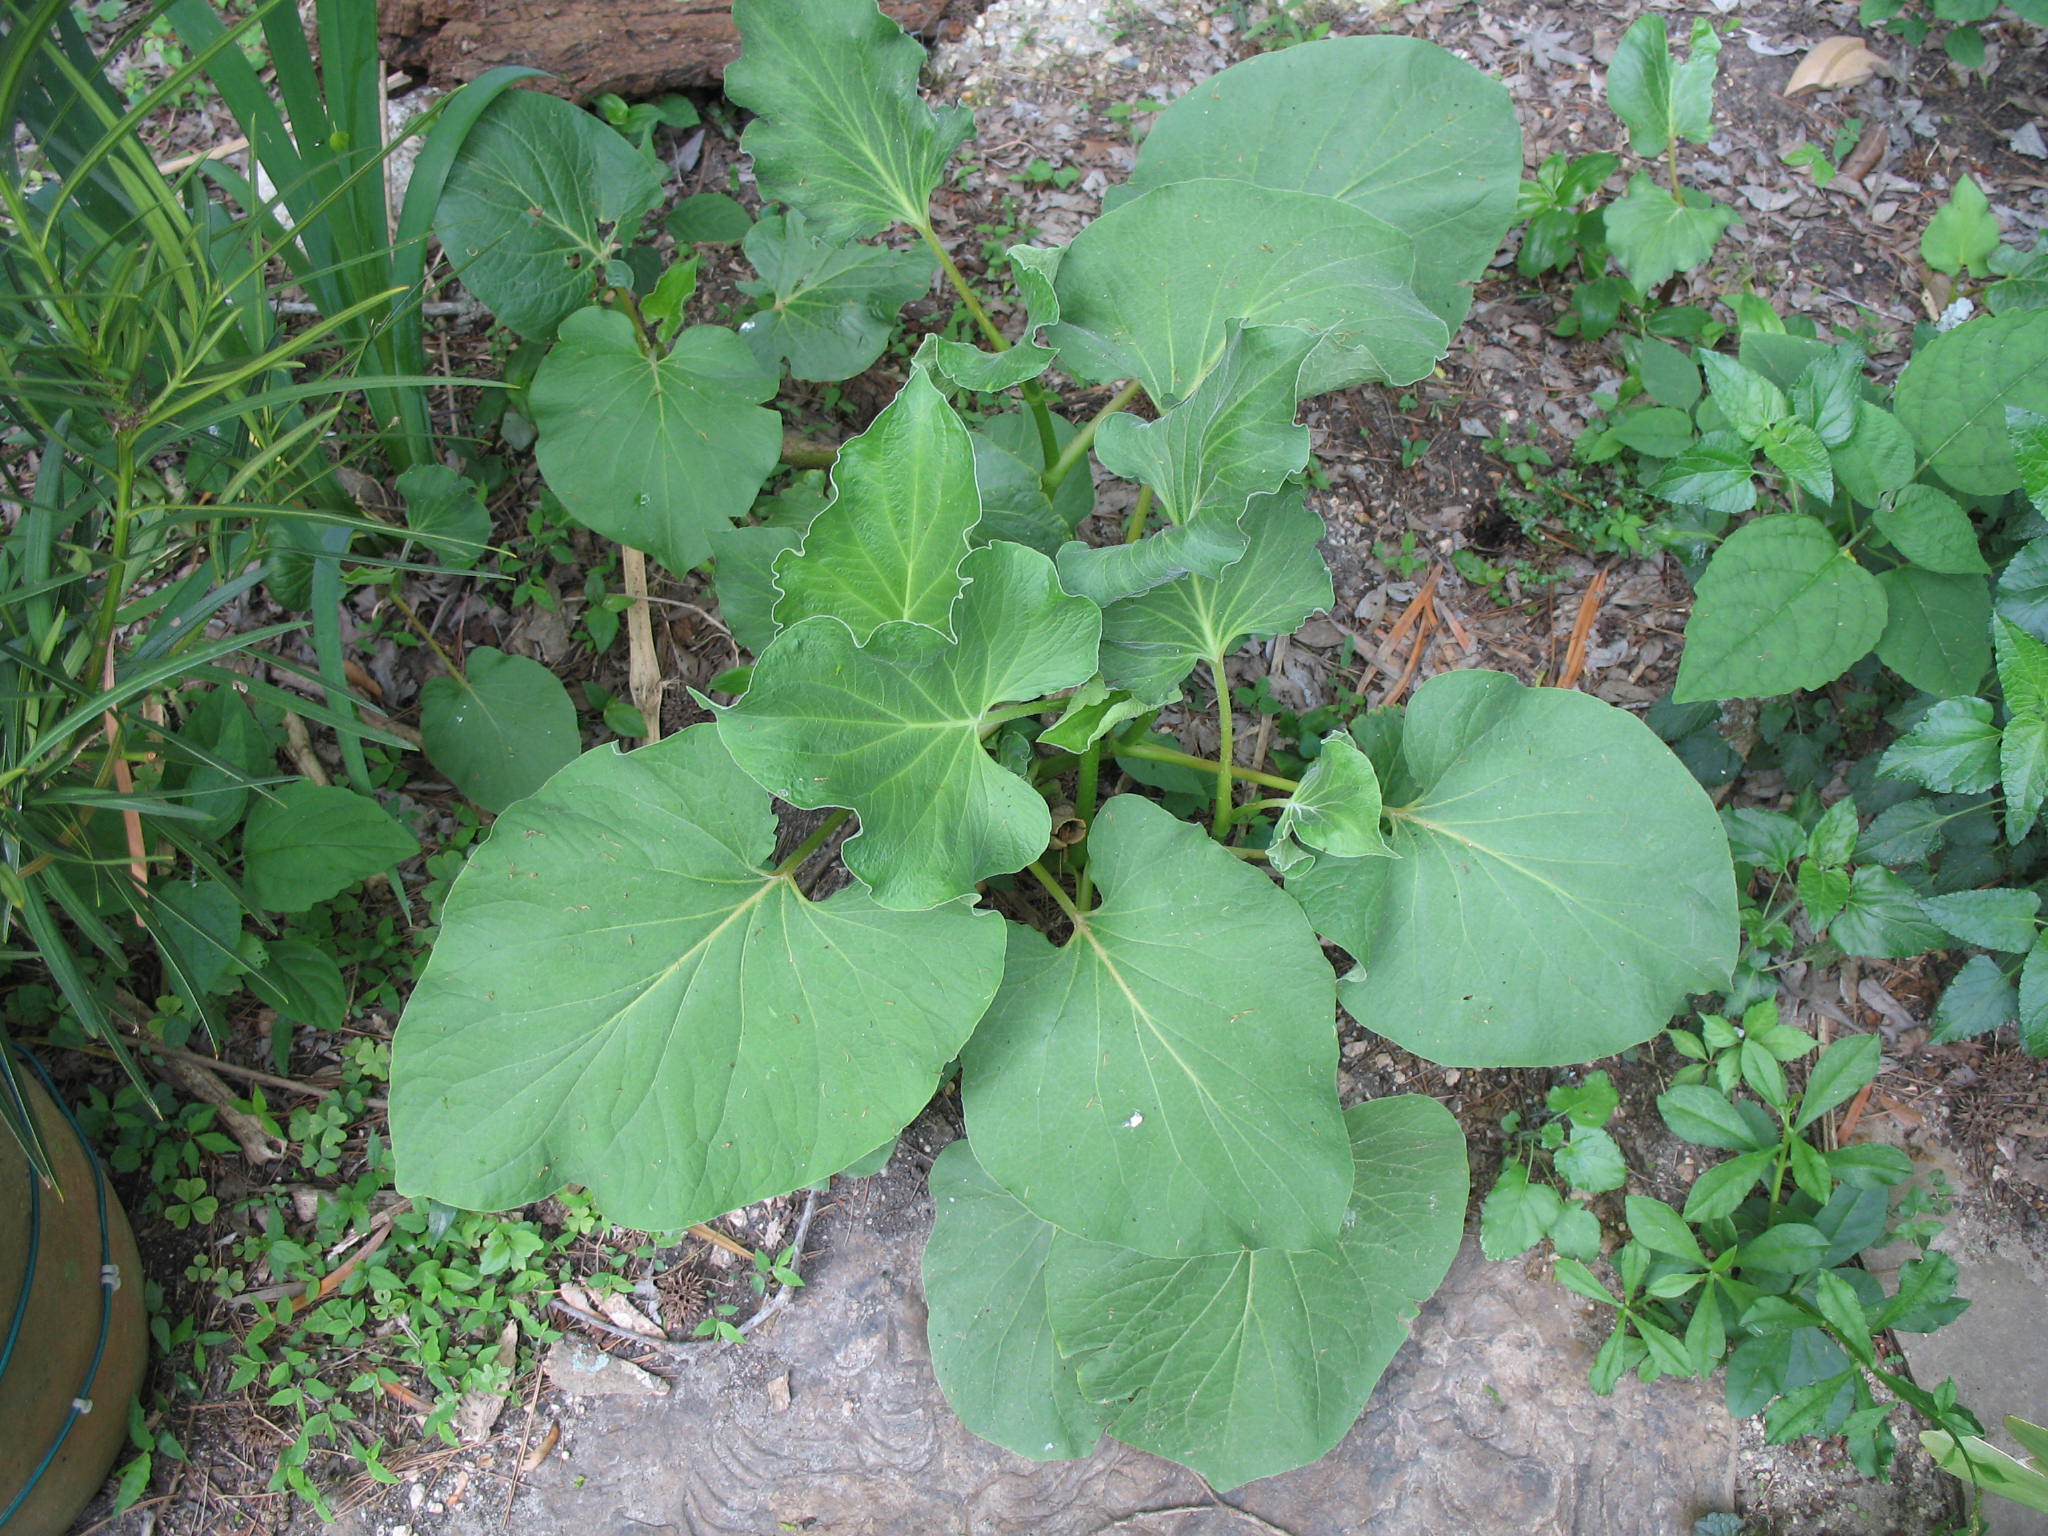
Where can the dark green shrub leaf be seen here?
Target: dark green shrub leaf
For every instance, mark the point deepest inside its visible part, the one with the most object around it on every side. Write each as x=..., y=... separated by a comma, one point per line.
x=1954, y=394
x=307, y=842
x=1953, y=750
x=1996, y=919
x=502, y=730
x=1716, y=1193
x=1937, y=629
x=2034, y=1000
x=825, y=307
x=2023, y=589
x=1706, y=1118
x=1843, y=1068
x=1751, y=402
x=1882, y=918
x=1978, y=999
x=1926, y=1298
x=1790, y=1248
x=708, y=218
x=1715, y=472
x=302, y=981
x=1877, y=459
x=1668, y=373
x=1765, y=839
x=1661, y=1230
x=1932, y=530
x=1851, y=1220
x=443, y=509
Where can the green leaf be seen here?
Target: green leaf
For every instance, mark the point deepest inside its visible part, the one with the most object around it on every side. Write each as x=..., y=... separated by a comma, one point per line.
x=1657, y=432
x=1842, y=1070
x=1016, y=433
x=1654, y=235
x=625, y=995
x=826, y=307
x=303, y=982
x=1931, y=530
x=443, y=509
x=1751, y=402
x=1791, y=1248
x=1979, y=998
x=1953, y=749
x=2028, y=433
x=1588, y=1105
x=2022, y=669
x=1833, y=837
x=2023, y=769
x=989, y=1330
x=202, y=930
x=1823, y=890
x=1716, y=472
x=708, y=218
x=1149, y=289
x=1516, y=1214
x=1591, y=1161
x=499, y=731
x=1429, y=144
x=840, y=133
x=1093, y=711
x=2033, y=1007
x=887, y=548
x=1167, y=1079
x=1964, y=231
x=1013, y=504
x=1660, y=1229
x=1781, y=607
x=1863, y=1167
x=1151, y=641
x=1926, y=1298
x=1246, y=1364
x=745, y=579
x=1877, y=459
x=1882, y=918
x=1706, y=1118
x=968, y=366
x=533, y=205
x=1671, y=376
x=893, y=728
x=1954, y=394
x=1764, y=839
x=1575, y=1234
x=1717, y=1193
x=1994, y=919
x=1797, y=451
x=1827, y=392
x=1937, y=630
x=657, y=454
x=307, y=842
x=1543, y=840
x=1660, y=99
x=1336, y=809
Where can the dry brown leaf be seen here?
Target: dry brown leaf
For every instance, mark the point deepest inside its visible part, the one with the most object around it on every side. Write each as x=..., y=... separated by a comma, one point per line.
x=538, y=1452
x=1833, y=64
x=627, y=1317
x=478, y=1412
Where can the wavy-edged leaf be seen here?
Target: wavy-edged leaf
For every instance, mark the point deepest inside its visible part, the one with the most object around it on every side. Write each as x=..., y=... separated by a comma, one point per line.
x=1654, y=235
x=1109, y=573
x=888, y=546
x=1952, y=750
x=305, y=842
x=840, y=132
x=893, y=729
x=500, y=730
x=967, y=366
x=624, y=995
x=1954, y=394
x=827, y=308
x=1247, y=1364
x=1560, y=882
x=1336, y=809
x=1166, y=1080
x=655, y=453
x=1149, y=289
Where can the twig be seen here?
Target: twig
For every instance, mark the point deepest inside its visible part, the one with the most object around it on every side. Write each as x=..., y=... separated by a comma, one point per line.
x=1423, y=636
x=1275, y=659
x=606, y=1325
x=718, y=1239
x=643, y=667
x=1377, y=662
x=519, y=1461
x=1215, y=1506
x=780, y=1299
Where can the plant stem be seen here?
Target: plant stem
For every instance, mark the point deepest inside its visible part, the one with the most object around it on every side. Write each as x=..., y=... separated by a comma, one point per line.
x=997, y=341
x=800, y=452
x=1134, y=529
x=1226, y=729
x=1077, y=449
x=454, y=667
x=1245, y=853
x=1048, y=440
x=1087, y=784
x=1151, y=754
x=1052, y=886
x=800, y=855
x=1671, y=162
x=996, y=717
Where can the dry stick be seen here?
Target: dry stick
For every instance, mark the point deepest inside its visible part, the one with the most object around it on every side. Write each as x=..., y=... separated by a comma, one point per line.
x=1130, y=1521
x=519, y=1461
x=718, y=1239
x=606, y=1325
x=796, y=1244
x=1377, y=662
x=247, y=1074
x=1582, y=629
x=643, y=667
x=1423, y=636
x=1275, y=659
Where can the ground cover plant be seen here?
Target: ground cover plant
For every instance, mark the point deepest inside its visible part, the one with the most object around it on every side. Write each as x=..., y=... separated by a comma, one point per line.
x=636, y=990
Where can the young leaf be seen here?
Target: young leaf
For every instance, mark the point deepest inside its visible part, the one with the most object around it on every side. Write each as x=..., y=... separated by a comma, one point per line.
x=840, y=133
x=1931, y=530
x=1954, y=394
x=499, y=731
x=1953, y=750
x=1937, y=629
x=708, y=218
x=827, y=308
x=1827, y=392
x=1716, y=472
x=1706, y=1118
x=306, y=842
x=1782, y=606
x=1591, y=1161
x=1660, y=1229
x=1844, y=1067
x=1014, y=505
x=443, y=509
x=989, y=1331
x=1660, y=99
x=1245, y=1364
x=1718, y=1192
x=1877, y=459
x=893, y=728
x=625, y=995
x=1791, y=1248
x=1516, y=1214
x=1511, y=888
x=656, y=453
x=1588, y=1105
x=1655, y=235
x=1336, y=809
x=1882, y=918
x=1167, y=1079
x=887, y=548
x=1963, y=233
x=1751, y=402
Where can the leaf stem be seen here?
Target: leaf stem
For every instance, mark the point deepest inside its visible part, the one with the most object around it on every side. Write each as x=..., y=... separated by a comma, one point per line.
x=997, y=716
x=1077, y=449
x=454, y=667
x=800, y=855
x=997, y=341
x=1048, y=440
x=1245, y=853
x=1087, y=786
x=1152, y=754
x=1226, y=729
x=1052, y=887
x=1134, y=529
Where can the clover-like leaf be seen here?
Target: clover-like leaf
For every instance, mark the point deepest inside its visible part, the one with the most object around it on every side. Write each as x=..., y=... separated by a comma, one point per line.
x=893, y=729
x=826, y=307
x=654, y=452
x=1399, y=127
x=1149, y=289
x=1560, y=882
x=499, y=730
x=841, y=133
x=1166, y=1080
x=888, y=546
x=1245, y=1364
x=532, y=203
x=626, y=995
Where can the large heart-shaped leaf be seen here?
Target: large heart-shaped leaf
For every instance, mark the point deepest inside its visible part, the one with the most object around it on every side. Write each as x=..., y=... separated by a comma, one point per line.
x=1167, y=1080
x=888, y=546
x=1149, y=290
x=1781, y=607
x=841, y=133
x=989, y=1330
x=893, y=729
x=499, y=730
x=625, y=995
x=827, y=307
x=1242, y=1365
x=1396, y=126
x=1954, y=395
x=654, y=452
x=532, y=205
x=1560, y=881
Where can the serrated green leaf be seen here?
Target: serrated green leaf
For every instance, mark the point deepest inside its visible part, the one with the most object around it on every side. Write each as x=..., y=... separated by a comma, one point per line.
x=1932, y=530
x=1588, y=1104
x=1717, y=1193
x=1149, y=289
x=1716, y=472
x=500, y=730
x=654, y=453
x=1926, y=1298
x=1765, y=839
x=1882, y=918
x=1827, y=392
x=1781, y=607
x=2023, y=771
x=1658, y=98
x=893, y=729
x=1516, y=1214
x=1654, y=235
x=442, y=508
x=1953, y=749
x=307, y=842
x=1656, y=431
x=1995, y=919
x=989, y=1330
x=1247, y=1364
x=1751, y=402
x=1823, y=891
x=887, y=548
x=1977, y=1000
x=1591, y=1161
x=1937, y=629
x=2027, y=431
x=1797, y=451
x=625, y=995
x=1337, y=807
x=826, y=307
x=2033, y=999
x=1877, y=459
x=1954, y=394
x=1516, y=881
x=840, y=132
x=1167, y=1079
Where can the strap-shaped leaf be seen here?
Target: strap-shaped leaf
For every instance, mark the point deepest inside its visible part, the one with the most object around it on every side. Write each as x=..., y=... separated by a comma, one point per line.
x=841, y=133
x=532, y=205
x=656, y=453
x=1167, y=1079
x=624, y=995
x=1560, y=882
x=1108, y=573
x=1246, y=1364
x=893, y=729
x=990, y=1333
x=1148, y=290
x=827, y=307
x=1396, y=126
x=888, y=546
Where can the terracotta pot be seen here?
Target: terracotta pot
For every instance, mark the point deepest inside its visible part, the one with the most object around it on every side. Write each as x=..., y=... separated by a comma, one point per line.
x=73, y=1341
